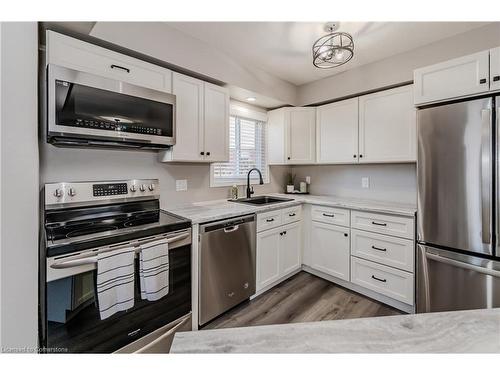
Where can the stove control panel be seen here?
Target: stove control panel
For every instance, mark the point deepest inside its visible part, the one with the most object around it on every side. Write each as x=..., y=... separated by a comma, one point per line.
x=63, y=194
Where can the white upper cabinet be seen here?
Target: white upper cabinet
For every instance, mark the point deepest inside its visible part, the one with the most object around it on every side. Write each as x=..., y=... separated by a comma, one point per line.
x=216, y=131
x=292, y=135
x=337, y=132
x=202, y=122
x=387, y=126
x=463, y=76
x=75, y=54
x=189, y=119
x=495, y=69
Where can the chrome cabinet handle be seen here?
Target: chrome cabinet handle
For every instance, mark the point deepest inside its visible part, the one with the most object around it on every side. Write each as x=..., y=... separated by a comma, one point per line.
x=113, y=66
x=378, y=248
x=376, y=278
x=329, y=215
x=381, y=224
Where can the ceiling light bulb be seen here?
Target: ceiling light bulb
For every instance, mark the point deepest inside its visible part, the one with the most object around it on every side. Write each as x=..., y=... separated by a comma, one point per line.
x=251, y=99
x=339, y=54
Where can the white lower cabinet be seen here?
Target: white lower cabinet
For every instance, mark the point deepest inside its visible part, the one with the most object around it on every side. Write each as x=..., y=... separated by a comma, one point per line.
x=279, y=249
x=329, y=249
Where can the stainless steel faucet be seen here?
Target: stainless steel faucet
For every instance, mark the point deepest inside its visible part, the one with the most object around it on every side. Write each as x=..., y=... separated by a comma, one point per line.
x=249, y=188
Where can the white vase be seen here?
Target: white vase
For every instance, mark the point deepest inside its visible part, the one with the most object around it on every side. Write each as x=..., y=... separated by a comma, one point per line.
x=290, y=188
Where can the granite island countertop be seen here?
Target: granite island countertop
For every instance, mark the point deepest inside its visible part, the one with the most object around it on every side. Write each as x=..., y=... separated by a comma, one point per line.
x=472, y=331
x=201, y=212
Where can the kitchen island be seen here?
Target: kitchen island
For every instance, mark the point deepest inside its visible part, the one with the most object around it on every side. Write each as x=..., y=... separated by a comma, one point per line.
x=472, y=331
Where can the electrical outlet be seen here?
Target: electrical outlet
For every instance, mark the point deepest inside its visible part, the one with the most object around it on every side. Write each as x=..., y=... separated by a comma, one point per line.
x=181, y=185
x=308, y=180
x=365, y=182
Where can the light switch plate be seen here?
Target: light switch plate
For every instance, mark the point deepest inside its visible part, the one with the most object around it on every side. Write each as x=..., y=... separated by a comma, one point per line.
x=365, y=182
x=181, y=185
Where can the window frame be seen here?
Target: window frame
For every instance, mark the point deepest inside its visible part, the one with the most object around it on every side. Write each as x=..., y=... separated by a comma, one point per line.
x=249, y=114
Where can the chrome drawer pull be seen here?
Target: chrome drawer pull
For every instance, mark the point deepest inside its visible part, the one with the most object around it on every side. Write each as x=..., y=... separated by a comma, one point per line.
x=381, y=224
x=327, y=215
x=376, y=278
x=269, y=220
x=378, y=248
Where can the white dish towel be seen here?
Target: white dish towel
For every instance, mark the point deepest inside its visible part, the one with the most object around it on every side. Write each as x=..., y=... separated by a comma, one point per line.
x=115, y=281
x=153, y=270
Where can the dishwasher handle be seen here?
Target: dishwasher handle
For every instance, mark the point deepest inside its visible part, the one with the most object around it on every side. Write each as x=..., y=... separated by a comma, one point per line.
x=234, y=228
x=228, y=225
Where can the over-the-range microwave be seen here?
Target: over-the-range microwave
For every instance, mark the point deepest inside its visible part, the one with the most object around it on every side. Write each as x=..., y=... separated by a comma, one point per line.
x=89, y=110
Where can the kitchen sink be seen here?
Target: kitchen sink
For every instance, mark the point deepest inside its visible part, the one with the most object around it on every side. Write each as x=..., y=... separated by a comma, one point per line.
x=261, y=200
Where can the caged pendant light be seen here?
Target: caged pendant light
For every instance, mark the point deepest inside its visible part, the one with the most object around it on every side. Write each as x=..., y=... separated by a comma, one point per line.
x=334, y=49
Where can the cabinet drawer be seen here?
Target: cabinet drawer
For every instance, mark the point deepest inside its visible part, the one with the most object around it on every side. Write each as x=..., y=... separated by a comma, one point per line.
x=386, y=224
x=391, y=251
x=330, y=215
x=76, y=54
x=268, y=220
x=385, y=280
x=291, y=214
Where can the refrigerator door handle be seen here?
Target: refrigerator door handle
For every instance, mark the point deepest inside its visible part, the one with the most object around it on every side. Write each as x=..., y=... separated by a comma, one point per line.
x=485, y=169
x=456, y=263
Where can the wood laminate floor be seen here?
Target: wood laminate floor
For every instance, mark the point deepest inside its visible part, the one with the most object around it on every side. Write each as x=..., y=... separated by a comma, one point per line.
x=302, y=298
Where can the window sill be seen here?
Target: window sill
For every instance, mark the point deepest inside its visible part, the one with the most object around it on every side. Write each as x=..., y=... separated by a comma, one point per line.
x=242, y=182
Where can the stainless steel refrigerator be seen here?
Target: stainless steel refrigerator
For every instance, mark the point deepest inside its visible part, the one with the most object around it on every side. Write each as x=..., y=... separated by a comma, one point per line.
x=458, y=173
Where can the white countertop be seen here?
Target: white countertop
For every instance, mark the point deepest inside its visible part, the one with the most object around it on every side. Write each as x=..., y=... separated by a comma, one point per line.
x=473, y=331
x=201, y=212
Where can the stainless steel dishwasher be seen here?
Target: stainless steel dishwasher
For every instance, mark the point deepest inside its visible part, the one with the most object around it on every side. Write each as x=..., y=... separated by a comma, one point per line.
x=227, y=265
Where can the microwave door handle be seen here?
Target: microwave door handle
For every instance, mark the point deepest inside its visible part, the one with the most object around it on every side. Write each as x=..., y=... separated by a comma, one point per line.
x=485, y=169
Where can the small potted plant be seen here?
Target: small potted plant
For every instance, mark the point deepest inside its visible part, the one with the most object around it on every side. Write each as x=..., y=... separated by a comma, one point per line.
x=290, y=185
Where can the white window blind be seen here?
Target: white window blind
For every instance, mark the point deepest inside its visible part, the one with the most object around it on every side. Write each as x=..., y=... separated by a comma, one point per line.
x=247, y=150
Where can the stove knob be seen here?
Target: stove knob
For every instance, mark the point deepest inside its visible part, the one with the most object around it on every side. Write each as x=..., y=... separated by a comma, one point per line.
x=133, y=188
x=142, y=188
x=72, y=192
x=151, y=187
x=58, y=193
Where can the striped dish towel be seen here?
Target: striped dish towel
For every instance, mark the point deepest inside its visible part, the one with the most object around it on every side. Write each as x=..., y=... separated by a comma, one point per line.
x=115, y=281
x=153, y=270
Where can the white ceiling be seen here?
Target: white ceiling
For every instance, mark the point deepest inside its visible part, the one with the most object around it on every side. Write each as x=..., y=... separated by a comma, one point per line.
x=284, y=48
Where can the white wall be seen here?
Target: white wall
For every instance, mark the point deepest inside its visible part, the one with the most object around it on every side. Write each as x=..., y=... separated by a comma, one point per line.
x=399, y=68
x=19, y=185
x=164, y=42
x=388, y=182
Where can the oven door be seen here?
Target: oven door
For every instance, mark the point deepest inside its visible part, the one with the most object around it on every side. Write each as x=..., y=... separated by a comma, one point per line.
x=72, y=321
x=84, y=107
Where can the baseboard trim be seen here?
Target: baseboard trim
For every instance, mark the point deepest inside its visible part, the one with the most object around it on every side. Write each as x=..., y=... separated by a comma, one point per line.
x=272, y=285
x=361, y=290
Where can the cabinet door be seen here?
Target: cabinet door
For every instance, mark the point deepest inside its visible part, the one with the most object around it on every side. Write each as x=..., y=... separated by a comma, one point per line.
x=337, y=132
x=330, y=249
x=216, y=110
x=276, y=148
x=267, y=257
x=290, y=248
x=300, y=135
x=189, y=118
x=495, y=69
x=463, y=76
x=387, y=126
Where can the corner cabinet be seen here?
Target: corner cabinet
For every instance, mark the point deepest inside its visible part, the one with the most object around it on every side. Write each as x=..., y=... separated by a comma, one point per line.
x=202, y=121
x=387, y=126
x=292, y=135
x=463, y=76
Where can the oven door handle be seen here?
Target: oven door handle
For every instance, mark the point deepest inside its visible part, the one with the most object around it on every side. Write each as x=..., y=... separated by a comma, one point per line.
x=93, y=259
x=456, y=263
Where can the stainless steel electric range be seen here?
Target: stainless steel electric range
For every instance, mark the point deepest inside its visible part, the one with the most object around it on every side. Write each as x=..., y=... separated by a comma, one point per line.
x=83, y=219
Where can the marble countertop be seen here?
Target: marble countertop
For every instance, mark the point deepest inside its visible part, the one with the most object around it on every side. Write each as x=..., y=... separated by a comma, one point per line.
x=473, y=331
x=202, y=212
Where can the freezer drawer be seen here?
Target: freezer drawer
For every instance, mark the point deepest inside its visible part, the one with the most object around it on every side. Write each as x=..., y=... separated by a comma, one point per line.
x=448, y=281
x=227, y=265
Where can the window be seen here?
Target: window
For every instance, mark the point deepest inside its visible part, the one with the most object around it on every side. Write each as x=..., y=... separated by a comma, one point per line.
x=247, y=150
